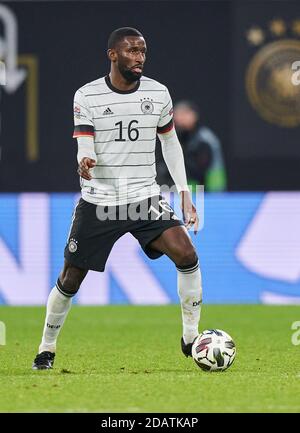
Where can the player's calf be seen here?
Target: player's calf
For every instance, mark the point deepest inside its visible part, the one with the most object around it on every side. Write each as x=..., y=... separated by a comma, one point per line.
x=58, y=305
x=190, y=293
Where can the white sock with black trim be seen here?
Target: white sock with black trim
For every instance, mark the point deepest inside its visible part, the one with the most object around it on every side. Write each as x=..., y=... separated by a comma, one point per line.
x=58, y=306
x=189, y=285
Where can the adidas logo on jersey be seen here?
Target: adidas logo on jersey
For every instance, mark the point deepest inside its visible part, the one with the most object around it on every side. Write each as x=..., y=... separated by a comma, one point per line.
x=107, y=111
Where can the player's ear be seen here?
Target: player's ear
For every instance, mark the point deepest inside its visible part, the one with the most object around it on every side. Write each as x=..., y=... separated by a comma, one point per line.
x=112, y=55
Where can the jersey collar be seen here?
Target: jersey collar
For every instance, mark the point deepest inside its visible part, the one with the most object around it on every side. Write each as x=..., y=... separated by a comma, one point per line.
x=123, y=92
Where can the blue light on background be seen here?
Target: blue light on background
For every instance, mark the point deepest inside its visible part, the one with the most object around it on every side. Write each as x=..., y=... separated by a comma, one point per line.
x=226, y=277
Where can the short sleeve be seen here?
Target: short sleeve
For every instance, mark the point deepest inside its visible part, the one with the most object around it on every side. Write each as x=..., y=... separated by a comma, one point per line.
x=165, y=123
x=83, y=120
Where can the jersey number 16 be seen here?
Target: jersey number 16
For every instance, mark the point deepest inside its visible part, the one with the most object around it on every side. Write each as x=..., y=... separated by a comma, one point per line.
x=133, y=133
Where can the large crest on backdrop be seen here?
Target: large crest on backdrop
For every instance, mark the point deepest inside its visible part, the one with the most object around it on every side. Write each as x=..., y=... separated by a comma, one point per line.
x=271, y=89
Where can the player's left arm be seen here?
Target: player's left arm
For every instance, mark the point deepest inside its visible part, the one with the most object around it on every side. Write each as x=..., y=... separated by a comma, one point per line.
x=173, y=156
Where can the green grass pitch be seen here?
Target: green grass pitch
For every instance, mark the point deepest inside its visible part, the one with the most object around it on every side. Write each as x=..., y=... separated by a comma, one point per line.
x=128, y=359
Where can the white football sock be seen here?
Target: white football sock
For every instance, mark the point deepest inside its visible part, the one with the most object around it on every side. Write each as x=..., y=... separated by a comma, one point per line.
x=189, y=285
x=58, y=306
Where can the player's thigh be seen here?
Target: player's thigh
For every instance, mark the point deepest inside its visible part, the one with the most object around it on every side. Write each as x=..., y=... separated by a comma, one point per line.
x=91, y=237
x=176, y=243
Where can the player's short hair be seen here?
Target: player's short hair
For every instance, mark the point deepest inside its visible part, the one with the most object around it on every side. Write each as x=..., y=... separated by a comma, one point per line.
x=117, y=35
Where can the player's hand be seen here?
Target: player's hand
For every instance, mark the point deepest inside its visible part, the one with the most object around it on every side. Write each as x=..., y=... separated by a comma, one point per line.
x=84, y=168
x=190, y=216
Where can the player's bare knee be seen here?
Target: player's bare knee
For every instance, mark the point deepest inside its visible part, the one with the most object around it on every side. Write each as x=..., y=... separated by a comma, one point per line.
x=187, y=256
x=71, y=278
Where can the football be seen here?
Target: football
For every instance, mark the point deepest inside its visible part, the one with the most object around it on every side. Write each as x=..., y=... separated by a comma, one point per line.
x=214, y=350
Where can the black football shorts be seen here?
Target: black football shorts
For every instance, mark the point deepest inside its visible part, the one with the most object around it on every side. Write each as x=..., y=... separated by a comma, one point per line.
x=95, y=229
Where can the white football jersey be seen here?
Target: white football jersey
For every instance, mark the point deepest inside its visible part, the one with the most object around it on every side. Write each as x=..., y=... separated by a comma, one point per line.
x=123, y=125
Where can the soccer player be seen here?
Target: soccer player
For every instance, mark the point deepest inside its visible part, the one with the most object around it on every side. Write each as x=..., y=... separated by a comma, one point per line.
x=116, y=121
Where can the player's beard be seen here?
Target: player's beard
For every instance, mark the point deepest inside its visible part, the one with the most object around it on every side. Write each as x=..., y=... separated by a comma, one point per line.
x=129, y=75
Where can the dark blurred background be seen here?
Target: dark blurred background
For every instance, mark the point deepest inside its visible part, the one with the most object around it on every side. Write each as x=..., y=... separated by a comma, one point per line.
x=234, y=60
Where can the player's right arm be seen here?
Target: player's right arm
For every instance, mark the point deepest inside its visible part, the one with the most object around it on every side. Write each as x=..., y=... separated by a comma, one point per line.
x=84, y=132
